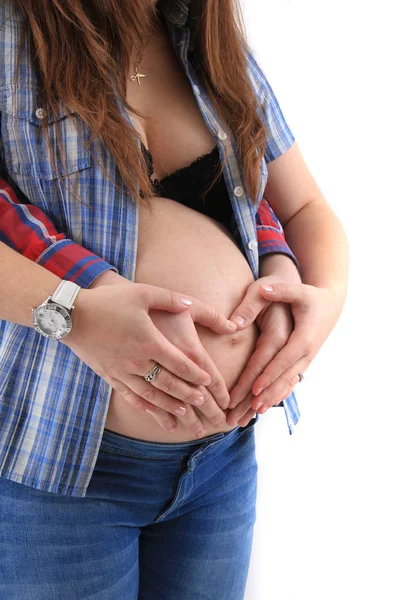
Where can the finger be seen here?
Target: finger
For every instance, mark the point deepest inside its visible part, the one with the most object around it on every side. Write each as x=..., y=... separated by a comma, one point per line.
x=128, y=395
x=255, y=367
x=281, y=388
x=175, y=361
x=293, y=351
x=235, y=414
x=210, y=409
x=178, y=388
x=191, y=421
x=209, y=317
x=217, y=388
x=283, y=292
x=163, y=299
x=155, y=397
x=247, y=418
x=249, y=309
x=163, y=418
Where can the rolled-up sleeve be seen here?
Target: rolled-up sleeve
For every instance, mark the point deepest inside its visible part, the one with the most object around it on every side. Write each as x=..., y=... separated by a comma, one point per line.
x=27, y=230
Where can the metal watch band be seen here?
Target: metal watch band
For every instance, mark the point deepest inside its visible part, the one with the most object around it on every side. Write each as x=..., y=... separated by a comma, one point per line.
x=66, y=293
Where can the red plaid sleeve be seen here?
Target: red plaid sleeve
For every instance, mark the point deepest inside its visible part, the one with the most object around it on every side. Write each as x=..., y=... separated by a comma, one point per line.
x=27, y=229
x=270, y=235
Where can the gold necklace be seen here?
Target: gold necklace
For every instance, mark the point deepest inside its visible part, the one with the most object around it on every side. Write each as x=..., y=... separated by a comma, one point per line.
x=139, y=75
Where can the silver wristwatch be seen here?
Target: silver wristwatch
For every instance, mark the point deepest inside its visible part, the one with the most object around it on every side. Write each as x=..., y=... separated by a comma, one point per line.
x=52, y=318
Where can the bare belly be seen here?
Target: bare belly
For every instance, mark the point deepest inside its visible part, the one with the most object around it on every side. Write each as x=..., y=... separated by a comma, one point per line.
x=186, y=251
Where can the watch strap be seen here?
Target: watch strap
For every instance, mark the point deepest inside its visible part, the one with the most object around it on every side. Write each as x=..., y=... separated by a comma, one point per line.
x=66, y=293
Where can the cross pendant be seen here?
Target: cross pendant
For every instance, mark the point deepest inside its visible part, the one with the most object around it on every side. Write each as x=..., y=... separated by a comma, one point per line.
x=138, y=75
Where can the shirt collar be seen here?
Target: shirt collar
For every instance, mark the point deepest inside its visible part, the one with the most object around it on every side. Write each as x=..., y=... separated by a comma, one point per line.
x=175, y=11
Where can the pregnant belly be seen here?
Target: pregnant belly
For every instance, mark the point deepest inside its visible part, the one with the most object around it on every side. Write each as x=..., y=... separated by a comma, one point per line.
x=186, y=251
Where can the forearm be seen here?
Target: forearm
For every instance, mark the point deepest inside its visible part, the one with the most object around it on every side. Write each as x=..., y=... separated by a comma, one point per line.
x=320, y=244
x=23, y=286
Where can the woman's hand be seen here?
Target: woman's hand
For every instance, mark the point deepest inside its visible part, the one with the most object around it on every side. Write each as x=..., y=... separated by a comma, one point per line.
x=114, y=334
x=315, y=312
x=179, y=329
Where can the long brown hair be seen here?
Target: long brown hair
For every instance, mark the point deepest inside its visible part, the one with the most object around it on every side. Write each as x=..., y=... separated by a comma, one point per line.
x=82, y=50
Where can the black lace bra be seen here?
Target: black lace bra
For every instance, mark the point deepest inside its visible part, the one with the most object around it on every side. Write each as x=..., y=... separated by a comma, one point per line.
x=187, y=184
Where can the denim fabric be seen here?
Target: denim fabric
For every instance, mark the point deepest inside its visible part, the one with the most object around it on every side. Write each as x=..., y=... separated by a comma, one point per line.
x=160, y=521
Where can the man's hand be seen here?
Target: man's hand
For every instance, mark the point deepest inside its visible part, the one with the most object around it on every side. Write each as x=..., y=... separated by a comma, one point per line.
x=275, y=323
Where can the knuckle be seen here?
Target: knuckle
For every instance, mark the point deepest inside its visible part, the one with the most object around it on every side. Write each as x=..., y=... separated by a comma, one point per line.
x=289, y=381
x=257, y=370
x=123, y=390
x=152, y=348
x=251, y=309
x=192, y=352
x=182, y=369
x=283, y=365
x=218, y=420
x=191, y=397
x=173, y=297
x=137, y=404
x=149, y=394
x=167, y=385
x=217, y=383
x=144, y=294
x=214, y=316
x=135, y=365
x=280, y=339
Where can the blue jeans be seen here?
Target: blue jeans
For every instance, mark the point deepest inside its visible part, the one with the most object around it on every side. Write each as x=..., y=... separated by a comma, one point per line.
x=160, y=521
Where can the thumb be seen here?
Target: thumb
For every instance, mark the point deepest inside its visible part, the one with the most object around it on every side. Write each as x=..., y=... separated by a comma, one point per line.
x=282, y=292
x=164, y=299
x=249, y=308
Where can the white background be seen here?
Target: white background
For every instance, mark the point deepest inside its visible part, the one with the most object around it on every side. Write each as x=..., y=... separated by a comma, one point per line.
x=328, y=496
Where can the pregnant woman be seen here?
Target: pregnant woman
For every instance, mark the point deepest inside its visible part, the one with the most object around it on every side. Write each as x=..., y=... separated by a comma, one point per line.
x=142, y=130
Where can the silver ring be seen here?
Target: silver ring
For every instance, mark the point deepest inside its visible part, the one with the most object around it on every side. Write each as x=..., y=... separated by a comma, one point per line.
x=151, y=375
x=301, y=376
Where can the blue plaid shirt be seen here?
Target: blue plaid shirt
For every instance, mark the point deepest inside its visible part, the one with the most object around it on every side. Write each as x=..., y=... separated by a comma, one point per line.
x=53, y=407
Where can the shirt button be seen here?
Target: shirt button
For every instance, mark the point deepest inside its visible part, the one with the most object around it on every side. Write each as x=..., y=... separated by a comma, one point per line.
x=196, y=90
x=253, y=244
x=41, y=113
x=222, y=135
x=238, y=191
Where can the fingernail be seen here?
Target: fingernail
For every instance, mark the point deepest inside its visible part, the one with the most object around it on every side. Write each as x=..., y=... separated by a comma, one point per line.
x=151, y=412
x=186, y=301
x=268, y=288
x=259, y=391
x=207, y=381
x=239, y=320
x=257, y=406
x=199, y=401
x=180, y=411
x=231, y=325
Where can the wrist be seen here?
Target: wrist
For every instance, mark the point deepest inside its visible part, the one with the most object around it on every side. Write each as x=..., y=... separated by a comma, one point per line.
x=108, y=277
x=280, y=266
x=77, y=316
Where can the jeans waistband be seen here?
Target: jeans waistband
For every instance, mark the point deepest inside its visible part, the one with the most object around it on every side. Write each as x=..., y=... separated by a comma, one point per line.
x=169, y=450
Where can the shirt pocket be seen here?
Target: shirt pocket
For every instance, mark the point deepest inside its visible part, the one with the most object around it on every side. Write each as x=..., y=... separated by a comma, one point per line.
x=25, y=149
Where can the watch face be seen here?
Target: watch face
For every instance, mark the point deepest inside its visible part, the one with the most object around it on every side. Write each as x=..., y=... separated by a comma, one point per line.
x=53, y=321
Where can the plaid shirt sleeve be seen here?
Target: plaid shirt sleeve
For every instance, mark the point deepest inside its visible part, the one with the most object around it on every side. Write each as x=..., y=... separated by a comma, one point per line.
x=270, y=234
x=27, y=229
